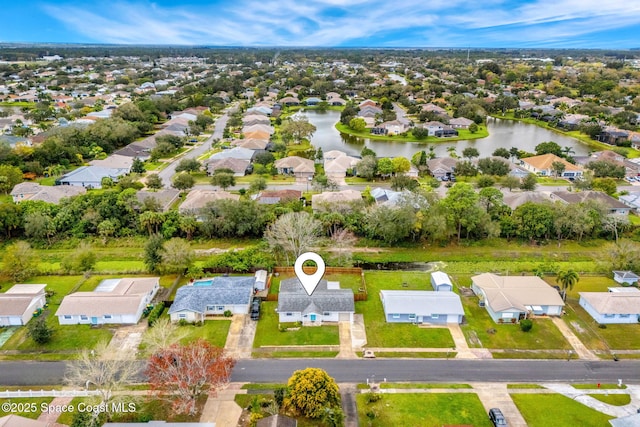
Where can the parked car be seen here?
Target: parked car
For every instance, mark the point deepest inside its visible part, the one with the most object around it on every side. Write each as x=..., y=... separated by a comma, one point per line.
x=255, y=309
x=496, y=417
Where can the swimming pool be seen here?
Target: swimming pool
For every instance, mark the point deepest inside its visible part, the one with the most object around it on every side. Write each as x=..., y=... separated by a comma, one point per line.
x=203, y=282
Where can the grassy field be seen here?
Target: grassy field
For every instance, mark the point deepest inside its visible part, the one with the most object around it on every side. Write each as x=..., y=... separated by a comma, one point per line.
x=28, y=407
x=268, y=334
x=541, y=410
x=213, y=331
x=543, y=335
x=431, y=409
x=404, y=335
x=423, y=385
x=613, y=399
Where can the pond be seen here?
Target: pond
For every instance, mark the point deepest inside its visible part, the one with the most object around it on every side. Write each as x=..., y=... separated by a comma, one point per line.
x=502, y=133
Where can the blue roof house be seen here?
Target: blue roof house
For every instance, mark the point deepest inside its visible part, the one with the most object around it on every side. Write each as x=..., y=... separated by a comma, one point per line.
x=90, y=176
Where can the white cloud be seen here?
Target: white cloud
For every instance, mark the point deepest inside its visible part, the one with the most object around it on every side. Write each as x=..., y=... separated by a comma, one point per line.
x=344, y=22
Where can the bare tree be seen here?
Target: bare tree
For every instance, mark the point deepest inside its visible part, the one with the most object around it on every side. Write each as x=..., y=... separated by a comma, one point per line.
x=343, y=240
x=97, y=368
x=162, y=335
x=293, y=233
x=182, y=374
x=177, y=256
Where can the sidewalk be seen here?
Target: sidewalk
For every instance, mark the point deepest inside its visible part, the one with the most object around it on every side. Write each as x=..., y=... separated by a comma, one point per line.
x=462, y=347
x=496, y=395
x=222, y=409
x=51, y=417
x=580, y=349
x=581, y=395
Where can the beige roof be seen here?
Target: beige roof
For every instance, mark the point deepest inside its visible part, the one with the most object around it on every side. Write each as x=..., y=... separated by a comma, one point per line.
x=18, y=421
x=257, y=134
x=613, y=302
x=17, y=299
x=299, y=164
x=28, y=289
x=505, y=292
x=197, y=199
x=340, y=164
x=258, y=128
x=336, y=197
x=252, y=143
x=545, y=161
x=124, y=298
x=513, y=200
x=45, y=193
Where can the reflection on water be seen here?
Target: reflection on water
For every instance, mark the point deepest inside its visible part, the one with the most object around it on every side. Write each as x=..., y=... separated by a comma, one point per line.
x=502, y=133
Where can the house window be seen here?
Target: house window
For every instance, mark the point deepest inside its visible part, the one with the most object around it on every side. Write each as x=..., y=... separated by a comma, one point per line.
x=211, y=307
x=220, y=307
x=435, y=316
x=624, y=316
x=326, y=313
x=412, y=316
x=67, y=316
x=107, y=316
x=182, y=316
x=609, y=316
x=395, y=316
x=289, y=314
x=83, y=317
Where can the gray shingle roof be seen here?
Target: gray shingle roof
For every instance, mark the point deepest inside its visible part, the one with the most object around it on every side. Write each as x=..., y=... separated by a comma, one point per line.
x=293, y=298
x=223, y=291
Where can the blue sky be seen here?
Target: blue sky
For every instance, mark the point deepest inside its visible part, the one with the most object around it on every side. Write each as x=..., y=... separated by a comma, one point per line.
x=608, y=24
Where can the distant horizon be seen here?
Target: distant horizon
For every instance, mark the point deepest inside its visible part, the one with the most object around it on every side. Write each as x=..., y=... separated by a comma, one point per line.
x=376, y=24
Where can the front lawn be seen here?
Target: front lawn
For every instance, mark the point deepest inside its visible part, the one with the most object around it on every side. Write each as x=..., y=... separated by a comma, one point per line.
x=541, y=410
x=403, y=335
x=429, y=409
x=213, y=331
x=611, y=337
x=479, y=331
x=268, y=334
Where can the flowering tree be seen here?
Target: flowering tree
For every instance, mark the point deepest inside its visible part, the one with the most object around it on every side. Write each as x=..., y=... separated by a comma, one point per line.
x=311, y=392
x=183, y=373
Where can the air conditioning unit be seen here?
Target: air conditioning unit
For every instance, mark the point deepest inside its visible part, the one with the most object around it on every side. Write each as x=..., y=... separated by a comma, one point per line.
x=481, y=303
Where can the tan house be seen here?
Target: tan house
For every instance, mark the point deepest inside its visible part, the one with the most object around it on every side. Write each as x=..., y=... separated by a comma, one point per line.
x=300, y=167
x=238, y=166
x=324, y=201
x=198, y=199
x=50, y=194
x=120, y=301
x=542, y=165
x=19, y=302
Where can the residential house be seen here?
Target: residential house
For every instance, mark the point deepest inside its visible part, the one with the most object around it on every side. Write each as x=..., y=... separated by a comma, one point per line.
x=119, y=301
x=207, y=297
x=45, y=193
x=197, y=200
x=138, y=150
x=613, y=136
x=19, y=302
x=90, y=176
x=300, y=167
x=268, y=129
x=329, y=199
x=612, y=205
x=571, y=122
x=234, y=153
x=277, y=421
x=164, y=198
x=289, y=101
x=442, y=167
x=114, y=161
x=542, y=165
x=257, y=134
x=258, y=145
x=460, y=123
x=421, y=307
x=327, y=303
x=271, y=197
x=619, y=305
x=337, y=163
x=513, y=200
x=239, y=167
x=632, y=420
x=441, y=281
x=632, y=200
x=312, y=100
x=511, y=298
x=631, y=168
x=394, y=127
x=626, y=276
x=385, y=196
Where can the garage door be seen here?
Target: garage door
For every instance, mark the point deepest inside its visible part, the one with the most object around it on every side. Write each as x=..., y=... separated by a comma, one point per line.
x=346, y=317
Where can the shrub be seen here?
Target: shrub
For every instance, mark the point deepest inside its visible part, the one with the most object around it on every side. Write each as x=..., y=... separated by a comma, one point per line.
x=183, y=322
x=228, y=313
x=526, y=325
x=602, y=326
x=156, y=313
x=373, y=397
x=279, y=394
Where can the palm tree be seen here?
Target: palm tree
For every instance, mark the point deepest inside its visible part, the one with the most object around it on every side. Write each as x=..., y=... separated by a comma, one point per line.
x=567, y=151
x=567, y=279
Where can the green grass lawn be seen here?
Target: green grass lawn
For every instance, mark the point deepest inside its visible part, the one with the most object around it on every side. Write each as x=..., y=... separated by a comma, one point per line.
x=431, y=409
x=595, y=386
x=541, y=410
x=544, y=334
x=463, y=134
x=28, y=407
x=405, y=335
x=613, y=399
x=267, y=332
x=213, y=331
x=423, y=385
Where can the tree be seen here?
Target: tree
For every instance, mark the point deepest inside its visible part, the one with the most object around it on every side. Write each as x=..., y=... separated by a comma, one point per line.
x=79, y=261
x=367, y=167
x=385, y=166
x=390, y=224
x=501, y=152
x=567, y=279
x=510, y=182
x=401, y=164
x=258, y=185
x=311, y=390
x=176, y=256
x=605, y=169
x=321, y=182
x=529, y=182
x=485, y=181
x=223, y=180
x=466, y=168
x=183, y=373
x=107, y=229
x=461, y=205
x=358, y=124
x=39, y=225
x=548, y=147
x=264, y=158
x=162, y=335
x=558, y=168
x=101, y=370
x=294, y=233
x=10, y=217
x=497, y=167
x=608, y=185
x=137, y=166
x=473, y=128
x=534, y=220
x=153, y=252
x=182, y=181
x=297, y=129
x=154, y=181
x=188, y=165
x=401, y=182
x=19, y=261
x=470, y=152
x=9, y=177
x=39, y=331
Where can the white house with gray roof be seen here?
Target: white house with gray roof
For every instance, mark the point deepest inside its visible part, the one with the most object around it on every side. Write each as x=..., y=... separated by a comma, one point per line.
x=438, y=307
x=208, y=297
x=91, y=176
x=328, y=303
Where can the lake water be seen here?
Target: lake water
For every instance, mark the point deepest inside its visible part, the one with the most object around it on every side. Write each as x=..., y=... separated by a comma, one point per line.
x=502, y=133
